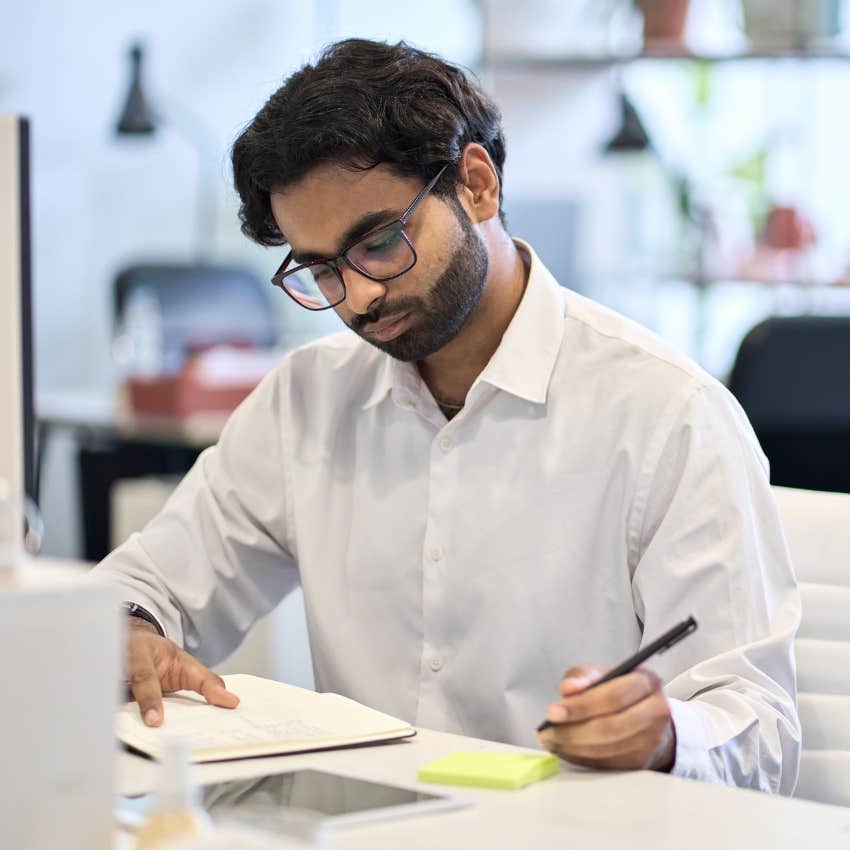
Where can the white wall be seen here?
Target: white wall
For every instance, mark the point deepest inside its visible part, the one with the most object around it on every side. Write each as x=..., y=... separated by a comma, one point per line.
x=101, y=202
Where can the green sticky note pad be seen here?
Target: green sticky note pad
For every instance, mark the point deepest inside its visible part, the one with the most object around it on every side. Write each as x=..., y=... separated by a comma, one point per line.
x=489, y=770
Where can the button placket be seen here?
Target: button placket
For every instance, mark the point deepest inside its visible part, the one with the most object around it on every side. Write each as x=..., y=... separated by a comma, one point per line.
x=436, y=563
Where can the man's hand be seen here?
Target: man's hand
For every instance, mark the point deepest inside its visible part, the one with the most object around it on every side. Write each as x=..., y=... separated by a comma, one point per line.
x=624, y=724
x=155, y=665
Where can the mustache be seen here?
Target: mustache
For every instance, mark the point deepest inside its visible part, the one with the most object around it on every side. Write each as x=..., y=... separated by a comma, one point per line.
x=402, y=305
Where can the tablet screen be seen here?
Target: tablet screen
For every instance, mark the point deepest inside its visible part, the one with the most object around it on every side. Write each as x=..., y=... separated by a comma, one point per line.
x=328, y=796
x=314, y=790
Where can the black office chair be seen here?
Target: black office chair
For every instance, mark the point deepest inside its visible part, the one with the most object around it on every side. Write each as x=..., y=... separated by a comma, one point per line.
x=792, y=377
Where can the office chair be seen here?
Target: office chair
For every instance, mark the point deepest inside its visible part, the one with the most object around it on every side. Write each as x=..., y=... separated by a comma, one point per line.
x=792, y=377
x=817, y=527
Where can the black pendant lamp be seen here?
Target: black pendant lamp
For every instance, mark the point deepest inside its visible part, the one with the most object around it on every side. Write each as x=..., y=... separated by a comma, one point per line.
x=137, y=117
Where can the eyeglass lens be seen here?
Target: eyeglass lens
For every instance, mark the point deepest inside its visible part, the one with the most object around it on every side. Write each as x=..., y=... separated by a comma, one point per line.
x=380, y=255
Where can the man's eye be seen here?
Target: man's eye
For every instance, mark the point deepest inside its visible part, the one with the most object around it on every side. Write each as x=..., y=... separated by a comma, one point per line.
x=383, y=242
x=322, y=274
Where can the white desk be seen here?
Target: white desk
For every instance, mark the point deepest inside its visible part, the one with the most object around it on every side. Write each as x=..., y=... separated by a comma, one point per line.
x=577, y=808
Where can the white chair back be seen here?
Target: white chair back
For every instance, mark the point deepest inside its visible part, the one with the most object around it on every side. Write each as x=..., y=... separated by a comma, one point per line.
x=817, y=526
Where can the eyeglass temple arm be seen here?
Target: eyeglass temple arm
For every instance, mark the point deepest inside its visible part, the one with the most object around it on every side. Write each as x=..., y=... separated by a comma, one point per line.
x=418, y=199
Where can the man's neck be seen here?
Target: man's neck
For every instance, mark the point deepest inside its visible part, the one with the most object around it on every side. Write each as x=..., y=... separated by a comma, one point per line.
x=451, y=371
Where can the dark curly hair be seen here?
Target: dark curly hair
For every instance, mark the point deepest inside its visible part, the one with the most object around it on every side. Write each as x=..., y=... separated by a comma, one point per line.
x=362, y=103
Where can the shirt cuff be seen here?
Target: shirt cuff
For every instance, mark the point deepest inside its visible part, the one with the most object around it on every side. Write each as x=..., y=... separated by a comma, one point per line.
x=693, y=759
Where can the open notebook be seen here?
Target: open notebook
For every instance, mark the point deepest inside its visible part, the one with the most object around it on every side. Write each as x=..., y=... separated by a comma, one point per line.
x=272, y=718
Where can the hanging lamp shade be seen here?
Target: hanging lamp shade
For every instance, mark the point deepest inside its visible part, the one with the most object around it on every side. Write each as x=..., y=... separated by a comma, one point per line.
x=631, y=136
x=137, y=117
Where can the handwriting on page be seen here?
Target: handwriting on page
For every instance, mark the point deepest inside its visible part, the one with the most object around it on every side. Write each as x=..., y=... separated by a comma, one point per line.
x=205, y=726
x=244, y=730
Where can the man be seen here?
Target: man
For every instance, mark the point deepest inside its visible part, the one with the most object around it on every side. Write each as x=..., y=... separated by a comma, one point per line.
x=491, y=479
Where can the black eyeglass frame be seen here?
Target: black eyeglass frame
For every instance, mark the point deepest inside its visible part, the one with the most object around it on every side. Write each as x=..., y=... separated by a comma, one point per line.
x=282, y=273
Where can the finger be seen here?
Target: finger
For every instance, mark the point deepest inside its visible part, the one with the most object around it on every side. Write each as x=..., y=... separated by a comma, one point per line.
x=611, y=736
x=608, y=698
x=143, y=681
x=603, y=737
x=193, y=676
x=577, y=679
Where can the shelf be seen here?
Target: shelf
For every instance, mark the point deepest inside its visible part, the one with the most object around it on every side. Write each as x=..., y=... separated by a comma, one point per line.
x=723, y=280
x=751, y=281
x=524, y=62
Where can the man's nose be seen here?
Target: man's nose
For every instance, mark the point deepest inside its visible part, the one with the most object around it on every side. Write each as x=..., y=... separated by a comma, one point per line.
x=361, y=293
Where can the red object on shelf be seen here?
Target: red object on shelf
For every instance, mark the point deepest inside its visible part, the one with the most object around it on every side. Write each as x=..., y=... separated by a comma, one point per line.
x=664, y=23
x=184, y=394
x=213, y=381
x=787, y=229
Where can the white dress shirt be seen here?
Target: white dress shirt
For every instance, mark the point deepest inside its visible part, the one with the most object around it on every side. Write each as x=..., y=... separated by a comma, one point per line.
x=597, y=488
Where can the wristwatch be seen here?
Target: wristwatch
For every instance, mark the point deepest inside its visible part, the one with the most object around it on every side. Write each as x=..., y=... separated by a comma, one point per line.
x=135, y=610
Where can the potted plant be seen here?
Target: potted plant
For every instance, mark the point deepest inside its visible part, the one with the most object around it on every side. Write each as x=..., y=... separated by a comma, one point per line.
x=663, y=20
x=663, y=23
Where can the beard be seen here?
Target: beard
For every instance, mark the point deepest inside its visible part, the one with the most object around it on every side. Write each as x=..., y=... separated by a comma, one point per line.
x=447, y=307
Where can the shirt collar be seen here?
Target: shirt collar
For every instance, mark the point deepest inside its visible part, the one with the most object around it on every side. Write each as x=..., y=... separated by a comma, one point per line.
x=522, y=364
x=399, y=378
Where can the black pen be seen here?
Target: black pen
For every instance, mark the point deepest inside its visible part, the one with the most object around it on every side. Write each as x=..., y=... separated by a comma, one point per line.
x=663, y=643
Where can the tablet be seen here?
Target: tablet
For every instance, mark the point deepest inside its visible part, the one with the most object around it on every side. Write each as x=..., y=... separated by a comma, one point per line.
x=333, y=798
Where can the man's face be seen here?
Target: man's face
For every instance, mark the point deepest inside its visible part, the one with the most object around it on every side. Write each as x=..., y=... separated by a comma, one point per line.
x=419, y=312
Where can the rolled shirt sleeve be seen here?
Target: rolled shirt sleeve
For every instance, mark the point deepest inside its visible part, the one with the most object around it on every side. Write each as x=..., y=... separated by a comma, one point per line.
x=220, y=554
x=706, y=539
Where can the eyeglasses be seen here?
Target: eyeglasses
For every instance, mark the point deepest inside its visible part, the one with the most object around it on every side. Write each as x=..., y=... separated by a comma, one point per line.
x=382, y=254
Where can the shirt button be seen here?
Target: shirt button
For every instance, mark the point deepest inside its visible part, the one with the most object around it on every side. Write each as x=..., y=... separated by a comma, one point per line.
x=436, y=553
x=445, y=443
x=436, y=664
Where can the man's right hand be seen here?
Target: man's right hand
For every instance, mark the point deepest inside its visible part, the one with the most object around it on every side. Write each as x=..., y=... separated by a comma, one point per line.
x=154, y=666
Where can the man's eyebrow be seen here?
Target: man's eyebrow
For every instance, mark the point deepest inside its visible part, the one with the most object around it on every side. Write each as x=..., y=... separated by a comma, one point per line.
x=361, y=227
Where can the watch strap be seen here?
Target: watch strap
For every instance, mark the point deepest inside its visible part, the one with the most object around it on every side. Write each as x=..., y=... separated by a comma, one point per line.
x=133, y=609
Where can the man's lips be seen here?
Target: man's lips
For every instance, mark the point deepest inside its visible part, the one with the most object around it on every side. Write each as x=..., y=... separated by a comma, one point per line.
x=390, y=328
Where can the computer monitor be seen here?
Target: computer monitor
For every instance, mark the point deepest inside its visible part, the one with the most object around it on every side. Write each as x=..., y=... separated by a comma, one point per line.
x=17, y=423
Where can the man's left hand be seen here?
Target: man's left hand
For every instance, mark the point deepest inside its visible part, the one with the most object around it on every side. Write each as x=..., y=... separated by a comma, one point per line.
x=624, y=724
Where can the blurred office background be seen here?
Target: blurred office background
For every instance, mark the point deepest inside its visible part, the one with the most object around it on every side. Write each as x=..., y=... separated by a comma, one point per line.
x=684, y=162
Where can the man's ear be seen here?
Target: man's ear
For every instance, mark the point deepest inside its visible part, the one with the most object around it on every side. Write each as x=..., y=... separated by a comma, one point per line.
x=478, y=189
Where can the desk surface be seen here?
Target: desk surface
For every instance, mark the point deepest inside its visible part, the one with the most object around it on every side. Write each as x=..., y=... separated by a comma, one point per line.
x=104, y=413
x=573, y=809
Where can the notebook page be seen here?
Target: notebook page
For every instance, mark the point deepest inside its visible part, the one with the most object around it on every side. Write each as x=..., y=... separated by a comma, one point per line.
x=271, y=717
